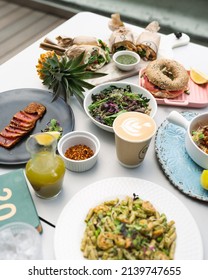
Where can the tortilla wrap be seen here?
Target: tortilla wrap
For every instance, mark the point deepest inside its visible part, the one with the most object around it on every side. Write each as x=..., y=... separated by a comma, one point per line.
x=115, y=22
x=148, y=42
x=64, y=42
x=89, y=52
x=85, y=40
x=122, y=39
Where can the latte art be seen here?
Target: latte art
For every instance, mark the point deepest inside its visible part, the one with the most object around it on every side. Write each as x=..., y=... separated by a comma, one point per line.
x=135, y=126
x=133, y=134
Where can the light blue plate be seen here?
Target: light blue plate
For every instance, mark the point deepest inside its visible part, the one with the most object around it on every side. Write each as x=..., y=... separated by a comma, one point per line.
x=179, y=168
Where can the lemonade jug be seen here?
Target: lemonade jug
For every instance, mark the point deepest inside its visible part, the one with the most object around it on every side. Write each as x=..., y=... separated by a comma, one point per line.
x=45, y=170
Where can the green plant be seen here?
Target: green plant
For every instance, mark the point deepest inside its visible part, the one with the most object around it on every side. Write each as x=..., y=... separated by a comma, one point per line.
x=65, y=76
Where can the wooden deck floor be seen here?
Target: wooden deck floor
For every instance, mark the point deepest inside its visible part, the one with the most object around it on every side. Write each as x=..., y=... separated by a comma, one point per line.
x=21, y=26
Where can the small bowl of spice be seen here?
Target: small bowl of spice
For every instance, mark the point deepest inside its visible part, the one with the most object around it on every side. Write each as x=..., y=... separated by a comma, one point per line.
x=126, y=60
x=79, y=150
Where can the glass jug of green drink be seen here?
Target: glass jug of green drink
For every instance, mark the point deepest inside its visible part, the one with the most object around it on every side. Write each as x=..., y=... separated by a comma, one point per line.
x=45, y=170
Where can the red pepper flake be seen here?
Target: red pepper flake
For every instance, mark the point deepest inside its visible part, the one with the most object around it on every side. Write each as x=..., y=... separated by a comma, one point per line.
x=79, y=152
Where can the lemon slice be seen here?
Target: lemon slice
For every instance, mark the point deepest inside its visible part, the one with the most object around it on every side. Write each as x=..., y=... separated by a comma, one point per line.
x=204, y=179
x=44, y=138
x=56, y=134
x=198, y=77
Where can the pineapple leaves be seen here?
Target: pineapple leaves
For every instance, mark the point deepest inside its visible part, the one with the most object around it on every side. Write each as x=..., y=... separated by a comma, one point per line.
x=78, y=69
x=66, y=76
x=88, y=75
x=77, y=91
x=58, y=91
x=84, y=84
x=76, y=61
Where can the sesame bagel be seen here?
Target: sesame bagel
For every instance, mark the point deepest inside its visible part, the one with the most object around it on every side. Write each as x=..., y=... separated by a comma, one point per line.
x=167, y=74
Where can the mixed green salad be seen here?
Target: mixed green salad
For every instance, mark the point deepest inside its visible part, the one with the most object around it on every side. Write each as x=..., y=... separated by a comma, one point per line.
x=112, y=101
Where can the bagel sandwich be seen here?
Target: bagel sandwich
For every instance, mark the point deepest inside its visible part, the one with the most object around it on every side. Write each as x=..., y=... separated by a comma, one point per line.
x=165, y=78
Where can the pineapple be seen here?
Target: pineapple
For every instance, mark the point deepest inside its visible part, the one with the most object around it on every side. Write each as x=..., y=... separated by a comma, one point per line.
x=65, y=76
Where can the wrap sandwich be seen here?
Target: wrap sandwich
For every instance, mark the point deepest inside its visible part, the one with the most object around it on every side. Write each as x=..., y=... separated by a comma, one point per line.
x=79, y=40
x=94, y=56
x=122, y=39
x=147, y=44
x=115, y=22
x=96, y=52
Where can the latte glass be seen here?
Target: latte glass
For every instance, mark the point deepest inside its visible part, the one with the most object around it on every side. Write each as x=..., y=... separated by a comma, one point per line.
x=133, y=134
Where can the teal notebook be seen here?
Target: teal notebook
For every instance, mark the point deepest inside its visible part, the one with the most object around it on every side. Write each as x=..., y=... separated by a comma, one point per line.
x=16, y=203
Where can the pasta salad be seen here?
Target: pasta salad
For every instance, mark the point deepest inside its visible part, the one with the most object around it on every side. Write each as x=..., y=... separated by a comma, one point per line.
x=128, y=229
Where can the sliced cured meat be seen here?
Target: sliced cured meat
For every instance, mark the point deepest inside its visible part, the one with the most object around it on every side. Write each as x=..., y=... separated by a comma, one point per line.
x=12, y=132
x=17, y=131
x=158, y=92
x=28, y=118
x=35, y=108
x=21, y=124
x=9, y=134
x=8, y=142
x=32, y=116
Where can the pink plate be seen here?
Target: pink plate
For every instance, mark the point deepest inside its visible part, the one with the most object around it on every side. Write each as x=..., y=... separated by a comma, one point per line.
x=197, y=97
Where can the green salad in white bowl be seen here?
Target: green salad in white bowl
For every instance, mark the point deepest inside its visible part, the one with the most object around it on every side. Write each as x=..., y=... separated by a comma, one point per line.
x=105, y=102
